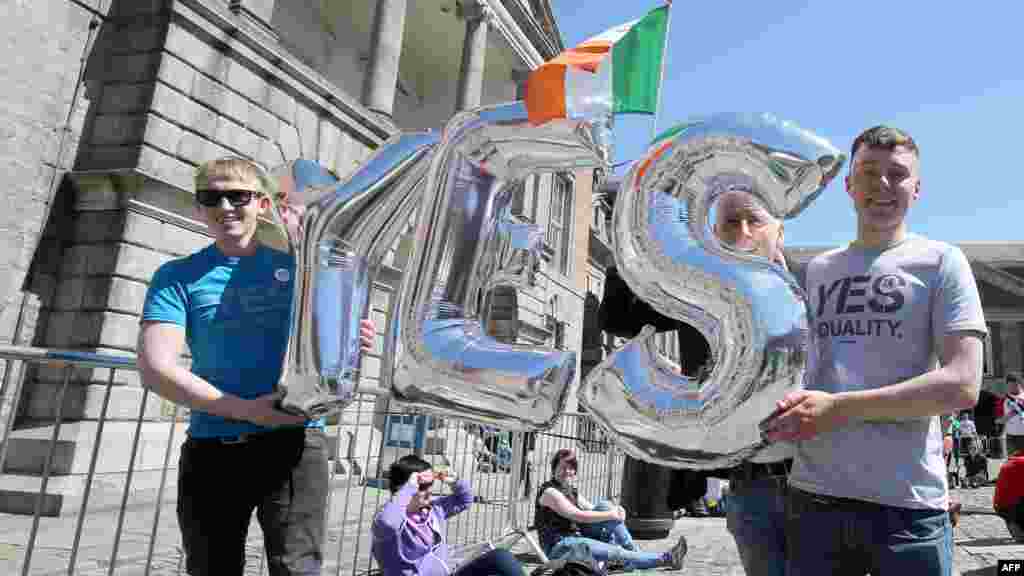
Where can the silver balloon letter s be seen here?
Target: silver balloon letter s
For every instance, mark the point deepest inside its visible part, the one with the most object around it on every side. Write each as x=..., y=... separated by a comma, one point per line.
x=446, y=362
x=337, y=232
x=749, y=308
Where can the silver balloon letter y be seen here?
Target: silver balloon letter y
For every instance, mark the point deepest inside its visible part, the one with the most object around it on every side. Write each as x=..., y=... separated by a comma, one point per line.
x=338, y=232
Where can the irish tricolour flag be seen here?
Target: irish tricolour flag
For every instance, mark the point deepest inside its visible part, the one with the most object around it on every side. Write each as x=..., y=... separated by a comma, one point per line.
x=619, y=70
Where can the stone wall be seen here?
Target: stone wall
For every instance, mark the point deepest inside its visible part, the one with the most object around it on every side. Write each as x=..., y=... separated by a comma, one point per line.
x=42, y=112
x=171, y=88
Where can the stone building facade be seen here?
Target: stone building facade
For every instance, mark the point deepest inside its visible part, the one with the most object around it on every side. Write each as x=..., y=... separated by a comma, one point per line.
x=111, y=105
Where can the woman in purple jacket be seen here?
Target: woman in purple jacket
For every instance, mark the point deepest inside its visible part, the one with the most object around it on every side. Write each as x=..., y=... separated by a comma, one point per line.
x=409, y=532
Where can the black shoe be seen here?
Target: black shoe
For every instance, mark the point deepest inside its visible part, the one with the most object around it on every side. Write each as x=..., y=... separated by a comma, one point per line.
x=677, y=556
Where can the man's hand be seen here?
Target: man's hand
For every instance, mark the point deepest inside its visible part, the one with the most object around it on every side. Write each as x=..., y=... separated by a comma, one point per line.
x=803, y=415
x=262, y=411
x=445, y=475
x=367, y=333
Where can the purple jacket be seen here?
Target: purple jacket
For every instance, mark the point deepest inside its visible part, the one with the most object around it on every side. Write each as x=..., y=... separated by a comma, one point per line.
x=398, y=549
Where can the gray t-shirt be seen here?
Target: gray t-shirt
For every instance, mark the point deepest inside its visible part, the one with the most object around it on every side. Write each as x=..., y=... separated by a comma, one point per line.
x=878, y=318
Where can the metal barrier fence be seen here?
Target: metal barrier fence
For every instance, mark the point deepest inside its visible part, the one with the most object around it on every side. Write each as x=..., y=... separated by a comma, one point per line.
x=114, y=512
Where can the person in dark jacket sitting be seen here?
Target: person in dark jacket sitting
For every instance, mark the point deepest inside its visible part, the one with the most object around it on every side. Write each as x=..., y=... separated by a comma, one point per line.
x=567, y=522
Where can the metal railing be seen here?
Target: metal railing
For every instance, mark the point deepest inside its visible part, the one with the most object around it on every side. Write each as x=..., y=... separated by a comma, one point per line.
x=115, y=514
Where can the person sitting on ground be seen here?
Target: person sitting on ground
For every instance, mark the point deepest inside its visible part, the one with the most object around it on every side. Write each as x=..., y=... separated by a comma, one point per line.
x=409, y=532
x=566, y=521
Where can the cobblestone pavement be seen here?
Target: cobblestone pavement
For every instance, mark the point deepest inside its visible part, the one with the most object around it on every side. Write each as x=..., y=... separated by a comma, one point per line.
x=980, y=540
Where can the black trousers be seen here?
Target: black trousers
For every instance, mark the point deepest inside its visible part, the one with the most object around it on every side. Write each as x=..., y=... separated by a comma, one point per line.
x=281, y=475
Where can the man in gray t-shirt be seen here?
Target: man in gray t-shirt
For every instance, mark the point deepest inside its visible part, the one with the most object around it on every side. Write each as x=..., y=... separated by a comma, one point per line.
x=897, y=325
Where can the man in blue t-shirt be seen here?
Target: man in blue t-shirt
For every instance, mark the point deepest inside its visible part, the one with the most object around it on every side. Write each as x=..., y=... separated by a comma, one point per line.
x=897, y=342
x=231, y=304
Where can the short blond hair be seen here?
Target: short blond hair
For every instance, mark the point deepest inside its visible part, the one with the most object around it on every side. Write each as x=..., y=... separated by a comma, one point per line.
x=235, y=168
x=885, y=137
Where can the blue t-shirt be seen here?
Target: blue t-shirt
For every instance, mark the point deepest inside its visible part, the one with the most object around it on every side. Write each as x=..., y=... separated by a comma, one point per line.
x=236, y=312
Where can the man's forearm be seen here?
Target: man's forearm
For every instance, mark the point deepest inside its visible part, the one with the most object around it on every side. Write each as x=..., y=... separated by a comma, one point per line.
x=182, y=387
x=940, y=391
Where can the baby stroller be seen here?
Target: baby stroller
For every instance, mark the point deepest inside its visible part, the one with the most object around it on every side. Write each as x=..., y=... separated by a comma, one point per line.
x=969, y=464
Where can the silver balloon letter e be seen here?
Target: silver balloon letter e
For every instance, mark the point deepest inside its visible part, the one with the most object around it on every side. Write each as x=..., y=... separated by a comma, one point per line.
x=446, y=362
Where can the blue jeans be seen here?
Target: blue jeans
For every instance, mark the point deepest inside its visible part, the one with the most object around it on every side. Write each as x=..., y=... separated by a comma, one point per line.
x=499, y=562
x=826, y=535
x=610, y=531
x=756, y=517
x=606, y=541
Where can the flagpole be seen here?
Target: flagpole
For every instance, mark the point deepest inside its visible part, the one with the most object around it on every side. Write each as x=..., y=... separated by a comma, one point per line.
x=661, y=76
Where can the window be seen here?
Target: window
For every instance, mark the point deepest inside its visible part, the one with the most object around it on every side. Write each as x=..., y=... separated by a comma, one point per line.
x=560, y=222
x=524, y=198
x=559, y=335
x=555, y=326
x=405, y=431
x=989, y=359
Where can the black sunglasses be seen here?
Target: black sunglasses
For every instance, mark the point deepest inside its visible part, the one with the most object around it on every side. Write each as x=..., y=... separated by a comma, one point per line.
x=237, y=198
x=424, y=487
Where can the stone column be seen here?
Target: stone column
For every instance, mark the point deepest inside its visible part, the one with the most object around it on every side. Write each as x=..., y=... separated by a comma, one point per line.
x=1011, y=335
x=477, y=14
x=385, y=50
x=646, y=490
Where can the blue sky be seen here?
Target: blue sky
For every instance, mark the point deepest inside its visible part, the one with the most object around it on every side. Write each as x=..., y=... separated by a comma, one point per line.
x=952, y=74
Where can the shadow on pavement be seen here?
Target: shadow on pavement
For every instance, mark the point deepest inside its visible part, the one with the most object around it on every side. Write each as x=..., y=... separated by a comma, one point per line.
x=974, y=511
x=983, y=542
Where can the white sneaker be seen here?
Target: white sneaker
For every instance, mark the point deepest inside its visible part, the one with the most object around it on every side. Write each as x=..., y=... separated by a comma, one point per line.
x=678, y=553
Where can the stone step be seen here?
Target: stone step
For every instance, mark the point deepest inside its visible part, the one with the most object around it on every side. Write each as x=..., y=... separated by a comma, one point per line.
x=19, y=494
x=29, y=455
x=30, y=446
x=63, y=496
